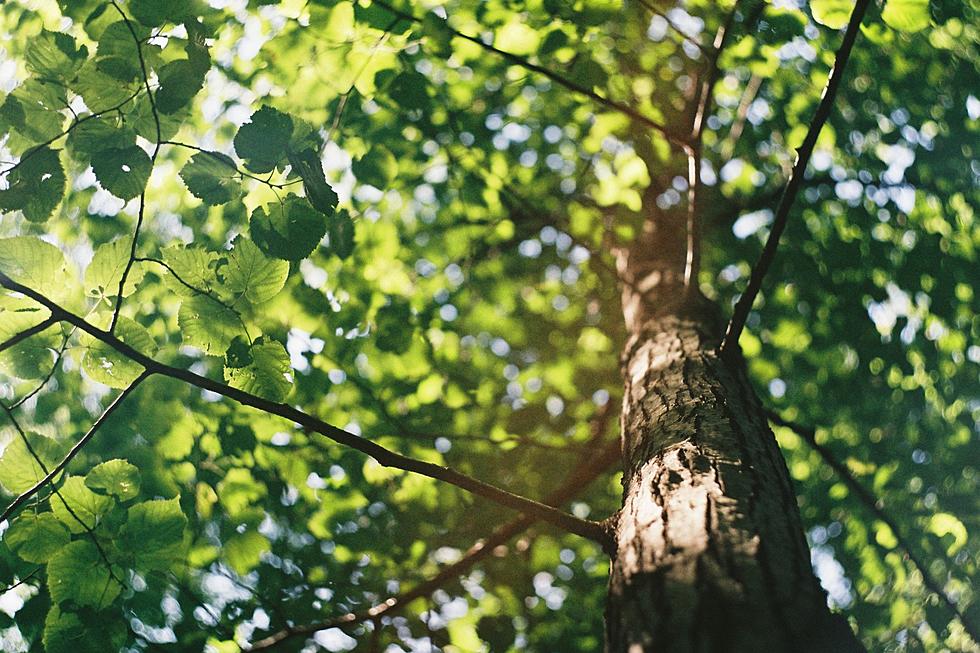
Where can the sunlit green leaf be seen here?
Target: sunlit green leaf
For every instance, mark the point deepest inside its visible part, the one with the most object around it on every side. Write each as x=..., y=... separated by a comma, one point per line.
x=78, y=507
x=832, y=13
x=906, y=15
x=79, y=575
x=212, y=177
x=104, y=273
x=106, y=365
x=36, y=186
x=116, y=477
x=251, y=275
x=208, y=324
x=36, y=537
x=266, y=374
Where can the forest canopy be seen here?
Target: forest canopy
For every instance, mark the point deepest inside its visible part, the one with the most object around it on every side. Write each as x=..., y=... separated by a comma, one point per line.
x=312, y=312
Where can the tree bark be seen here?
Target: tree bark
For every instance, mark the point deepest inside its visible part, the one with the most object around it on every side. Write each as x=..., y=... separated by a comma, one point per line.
x=710, y=553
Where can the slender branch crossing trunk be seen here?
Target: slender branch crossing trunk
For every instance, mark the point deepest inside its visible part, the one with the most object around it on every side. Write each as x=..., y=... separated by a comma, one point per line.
x=710, y=553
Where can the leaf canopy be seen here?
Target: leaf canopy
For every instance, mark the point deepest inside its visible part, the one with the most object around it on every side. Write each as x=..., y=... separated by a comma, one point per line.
x=403, y=219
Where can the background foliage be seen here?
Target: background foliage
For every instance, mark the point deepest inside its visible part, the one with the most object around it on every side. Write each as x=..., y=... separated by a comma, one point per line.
x=409, y=236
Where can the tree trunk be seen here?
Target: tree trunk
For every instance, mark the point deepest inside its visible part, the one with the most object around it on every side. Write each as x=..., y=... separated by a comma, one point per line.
x=710, y=552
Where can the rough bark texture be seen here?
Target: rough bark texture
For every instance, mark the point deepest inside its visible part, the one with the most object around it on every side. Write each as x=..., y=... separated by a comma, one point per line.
x=711, y=555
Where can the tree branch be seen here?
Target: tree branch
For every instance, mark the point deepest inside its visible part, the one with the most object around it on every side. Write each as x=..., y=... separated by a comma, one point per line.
x=553, y=76
x=744, y=304
x=27, y=333
x=586, y=472
x=585, y=528
x=808, y=434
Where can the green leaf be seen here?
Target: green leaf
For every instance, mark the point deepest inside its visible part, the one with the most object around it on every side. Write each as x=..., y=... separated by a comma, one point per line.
x=82, y=504
x=906, y=15
x=117, y=56
x=834, y=14
x=141, y=119
x=180, y=81
x=341, y=232
x=289, y=230
x=78, y=574
x=95, y=135
x=28, y=118
x=942, y=524
x=32, y=358
x=19, y=469
x=103, y=364
x=207, y=324
x=262, y=142
x=267, y=375
x=154, y=13
x=244, y=552
x=115, y=477
x=154, y=531
x=36, y=186
x=307, y=165
x=194, y=265
x=239, y=490
x=36, y=537
x=99, y=90
x=69, y=632
x=32, y=262
x=104, y=273
x=212, y=177
x=124, y=171
x=251, y=274
x=54, y=55
x=376, y=168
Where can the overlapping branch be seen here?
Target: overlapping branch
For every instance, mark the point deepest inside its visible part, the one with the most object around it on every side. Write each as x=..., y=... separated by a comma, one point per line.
x=586, y=472
x=386, y=457
x=808, y=434
x=744, y=304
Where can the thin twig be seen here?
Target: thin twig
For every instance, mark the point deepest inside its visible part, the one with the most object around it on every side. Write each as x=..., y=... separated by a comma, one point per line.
x=21, y=581
x=649, y=6
x=27, y=333
x=75, y=123
x=153, y=158
x=709, y=77
x=76, y=449
x=808, y=434
x=50, y=374
x=55, y=490
x=386, y=457
x=221, y=159
x=516, y=60
x=744, y=305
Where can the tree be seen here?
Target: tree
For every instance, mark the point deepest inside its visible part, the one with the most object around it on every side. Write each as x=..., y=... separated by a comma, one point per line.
x=312, y=317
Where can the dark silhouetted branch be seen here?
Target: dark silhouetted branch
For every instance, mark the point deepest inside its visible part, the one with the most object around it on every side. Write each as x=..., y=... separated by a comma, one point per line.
x=744, y=304
x=586, y=472
x=585, y=528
